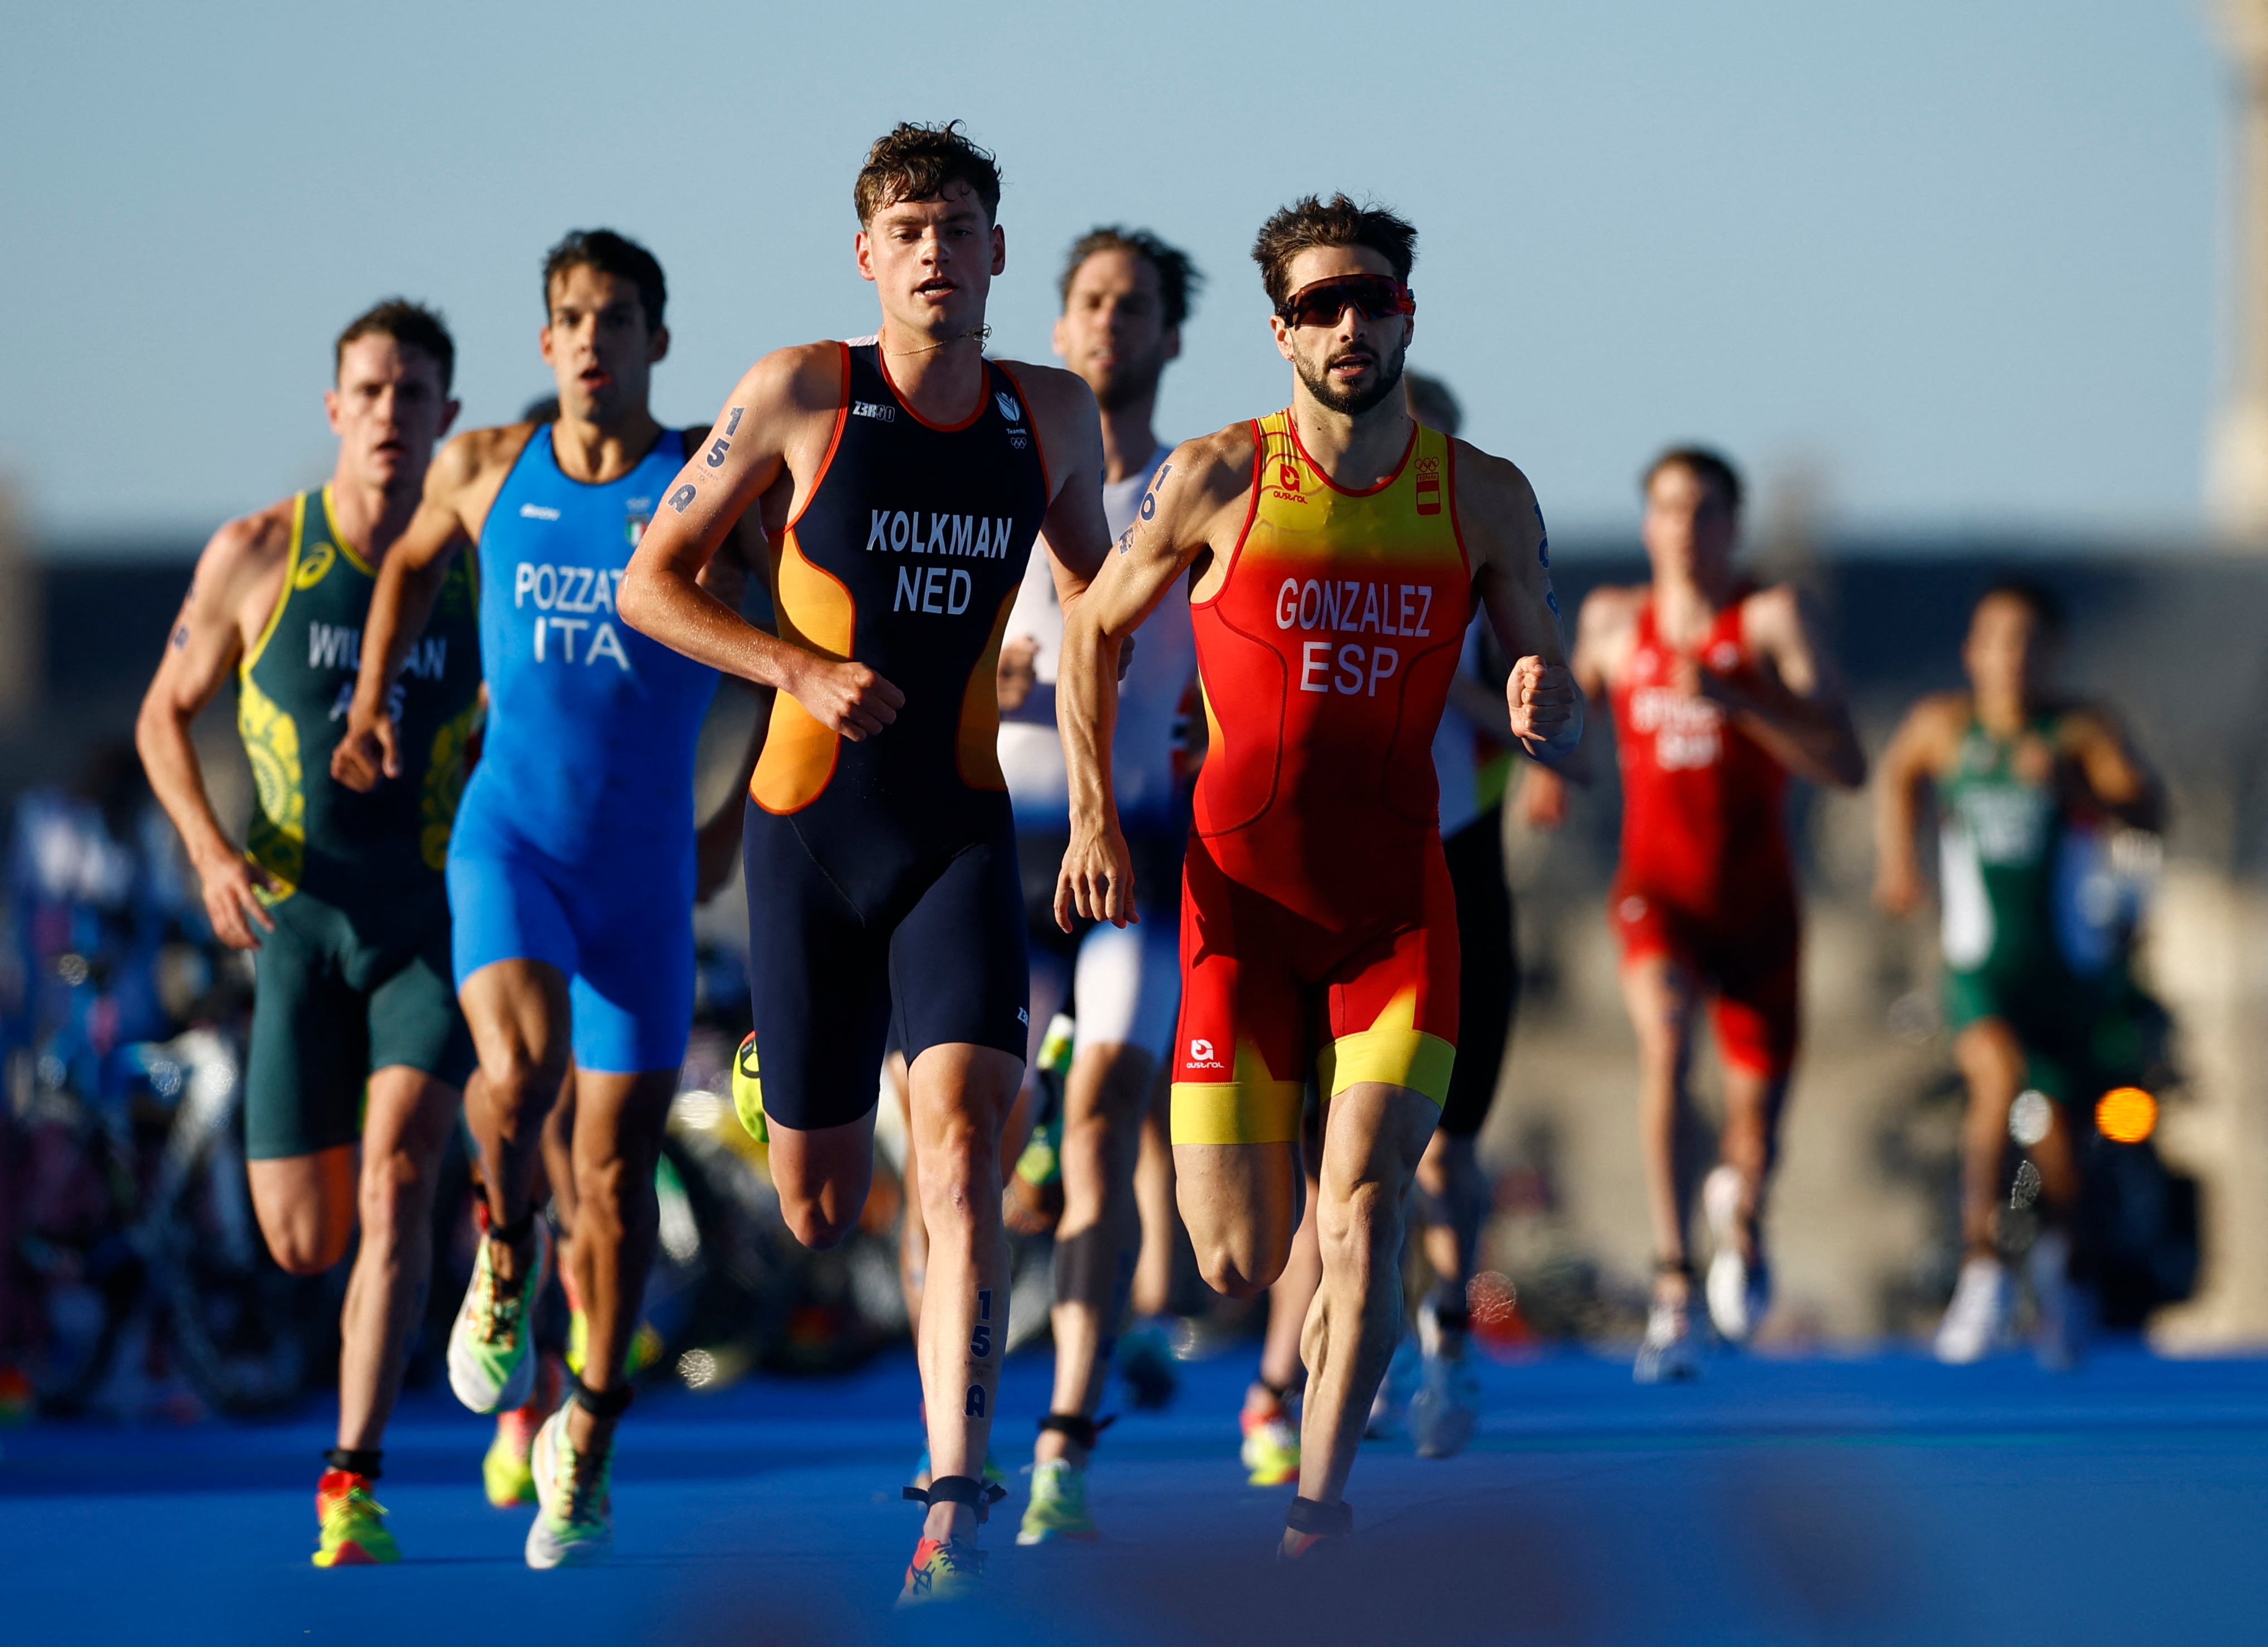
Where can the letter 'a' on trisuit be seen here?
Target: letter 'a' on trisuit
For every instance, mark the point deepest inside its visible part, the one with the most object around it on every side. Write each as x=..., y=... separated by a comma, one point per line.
x=1315, y=869
x=881, y=873
x=1706, y=877
x=575, y=844
x=355, y=978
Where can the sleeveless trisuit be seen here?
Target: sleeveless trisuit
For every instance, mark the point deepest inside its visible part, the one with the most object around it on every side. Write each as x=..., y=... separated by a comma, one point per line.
x=1706, y=877
x=1318, y=927
x=355, y=978
x=2011, y=878
x=575, y=844
x=881, y=872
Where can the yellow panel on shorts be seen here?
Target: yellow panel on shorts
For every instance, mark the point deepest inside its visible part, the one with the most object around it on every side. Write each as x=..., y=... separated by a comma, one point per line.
x=1236, y=1111
x=1395, y=1056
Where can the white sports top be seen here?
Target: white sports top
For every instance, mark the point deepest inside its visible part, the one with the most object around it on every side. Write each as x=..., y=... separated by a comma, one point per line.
x=1149, y=699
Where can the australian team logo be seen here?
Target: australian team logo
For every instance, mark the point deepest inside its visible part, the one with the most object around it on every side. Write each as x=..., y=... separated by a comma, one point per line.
x=314, y=563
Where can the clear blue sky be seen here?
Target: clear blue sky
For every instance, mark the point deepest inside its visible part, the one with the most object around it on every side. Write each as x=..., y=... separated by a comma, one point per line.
x=1963, y=256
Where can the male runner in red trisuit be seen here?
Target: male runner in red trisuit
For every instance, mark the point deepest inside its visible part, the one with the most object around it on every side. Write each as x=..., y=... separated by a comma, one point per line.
x=901, y=480
x=1721, y=690
x=1337, y=549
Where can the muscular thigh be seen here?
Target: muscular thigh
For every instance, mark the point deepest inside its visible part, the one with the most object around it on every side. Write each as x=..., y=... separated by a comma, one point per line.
x=517, y=1013
x=1374, y=1134
x=1658, y=989
x=305, y=1205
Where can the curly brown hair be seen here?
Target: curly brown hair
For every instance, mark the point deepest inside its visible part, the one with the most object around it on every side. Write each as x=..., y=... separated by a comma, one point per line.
x=917, y=162
x=1338, y=221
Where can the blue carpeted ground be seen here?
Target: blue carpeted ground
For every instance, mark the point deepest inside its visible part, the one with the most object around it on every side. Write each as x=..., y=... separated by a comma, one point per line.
x=1883, y=1499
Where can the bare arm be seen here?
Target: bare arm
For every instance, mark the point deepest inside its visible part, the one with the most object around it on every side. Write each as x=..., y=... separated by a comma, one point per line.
x=1803, y=714
x=1193, y=499
x=239, y=580
x=1075, y=532
x=762, y=438
x=1503, y=532
x=1915, y=755
x=2115, y=776
x=1602, y=627
x=408, y=583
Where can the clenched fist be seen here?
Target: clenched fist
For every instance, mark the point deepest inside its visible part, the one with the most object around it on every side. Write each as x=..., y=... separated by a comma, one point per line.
x=1543, y=700
x=847, y=697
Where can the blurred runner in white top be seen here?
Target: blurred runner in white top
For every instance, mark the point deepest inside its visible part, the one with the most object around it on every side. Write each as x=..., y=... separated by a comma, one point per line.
x=1125, y=293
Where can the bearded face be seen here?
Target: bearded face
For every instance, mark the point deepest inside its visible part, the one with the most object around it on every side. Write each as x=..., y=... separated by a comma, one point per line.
x=1335, y=373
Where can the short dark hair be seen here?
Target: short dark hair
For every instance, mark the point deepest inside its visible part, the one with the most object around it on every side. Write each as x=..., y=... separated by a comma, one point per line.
x=917, y=161
x=2044, y=605
x=610, y=254
x=1705, y=461
x=1431, y=403
x=1178, y=278
x=411, y=325
x=1312, y=222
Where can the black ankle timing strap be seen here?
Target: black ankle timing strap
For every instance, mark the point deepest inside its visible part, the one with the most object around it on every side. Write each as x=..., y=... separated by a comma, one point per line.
x=515, y=1233
x=1674, y=1266
x=356, y=1460
x=1077, y=1427
x=611, y=1403
x=1336, y=1521
x=959, y=1490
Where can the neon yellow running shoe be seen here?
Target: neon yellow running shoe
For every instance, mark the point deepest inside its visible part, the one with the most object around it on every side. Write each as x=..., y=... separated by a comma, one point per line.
x=748, y=1092
x=492, y=1342
x=506, y=1473
x=574, y=1524
x=1271, y=1449
x=646, y=1347
x=942, y=1571
x=1057, y=1509
x=354, y=1524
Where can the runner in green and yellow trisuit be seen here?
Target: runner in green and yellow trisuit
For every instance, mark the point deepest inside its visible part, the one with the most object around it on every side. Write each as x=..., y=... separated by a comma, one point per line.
x=358, y=1048
x=2025, y=781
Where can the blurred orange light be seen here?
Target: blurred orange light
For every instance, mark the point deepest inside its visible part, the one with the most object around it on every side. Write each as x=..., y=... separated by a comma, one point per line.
x=2126, y=1114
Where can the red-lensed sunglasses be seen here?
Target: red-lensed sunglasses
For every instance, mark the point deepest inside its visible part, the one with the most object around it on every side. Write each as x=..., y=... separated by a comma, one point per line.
x=1375, y=296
